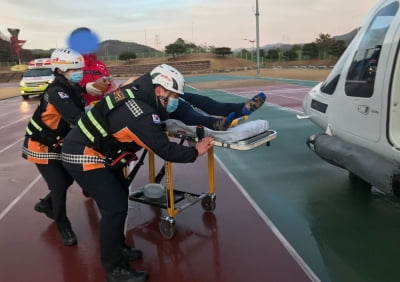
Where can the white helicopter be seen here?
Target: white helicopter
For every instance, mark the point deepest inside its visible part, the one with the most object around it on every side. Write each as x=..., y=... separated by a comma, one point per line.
x=358, y=105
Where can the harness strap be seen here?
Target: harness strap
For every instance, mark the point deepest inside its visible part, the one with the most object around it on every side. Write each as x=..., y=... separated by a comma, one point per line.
x=82, y=159
x=41, y=156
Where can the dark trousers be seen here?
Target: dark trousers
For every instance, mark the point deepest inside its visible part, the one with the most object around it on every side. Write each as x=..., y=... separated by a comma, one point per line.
x=190, y=116
x=110, y=191
x=58, y=181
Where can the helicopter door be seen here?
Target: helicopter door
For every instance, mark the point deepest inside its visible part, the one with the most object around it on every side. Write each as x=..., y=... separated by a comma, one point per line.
x=394, y=106
x=359, y=111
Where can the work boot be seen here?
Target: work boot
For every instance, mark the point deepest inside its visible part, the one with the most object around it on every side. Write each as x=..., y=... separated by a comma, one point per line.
x=44, y=206
x=223, y=124
x=131, y=254
x=68, y=236
x=253, y=104
x=126, y=274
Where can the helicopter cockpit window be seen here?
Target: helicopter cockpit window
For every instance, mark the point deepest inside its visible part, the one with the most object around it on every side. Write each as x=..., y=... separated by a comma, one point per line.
x=361, y=76
x=330, y=83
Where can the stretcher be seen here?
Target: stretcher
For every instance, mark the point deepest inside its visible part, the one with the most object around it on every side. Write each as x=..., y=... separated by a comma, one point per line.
x=175, y=201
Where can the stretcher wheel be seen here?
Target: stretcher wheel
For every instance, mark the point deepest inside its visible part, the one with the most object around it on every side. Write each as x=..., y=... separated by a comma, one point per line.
x=208, y=203
x=167, y=227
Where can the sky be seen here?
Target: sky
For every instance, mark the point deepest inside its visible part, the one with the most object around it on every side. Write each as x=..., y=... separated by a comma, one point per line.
x=46, y=24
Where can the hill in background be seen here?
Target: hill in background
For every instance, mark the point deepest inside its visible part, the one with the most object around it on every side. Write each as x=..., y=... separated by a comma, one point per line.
x=109, y=48
x=347, y=38
x=116, y=47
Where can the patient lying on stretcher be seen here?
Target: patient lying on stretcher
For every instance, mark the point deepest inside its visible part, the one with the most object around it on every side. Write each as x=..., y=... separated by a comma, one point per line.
x=240, y=132
x=201, y=111
x=195, y=109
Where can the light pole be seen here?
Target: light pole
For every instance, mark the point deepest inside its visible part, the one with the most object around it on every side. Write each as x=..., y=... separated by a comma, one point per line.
x=258, y=39
x=252, y=48
x=251, y=41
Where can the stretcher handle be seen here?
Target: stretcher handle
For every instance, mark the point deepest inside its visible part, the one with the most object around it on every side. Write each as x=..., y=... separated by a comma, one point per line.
x=199, y=132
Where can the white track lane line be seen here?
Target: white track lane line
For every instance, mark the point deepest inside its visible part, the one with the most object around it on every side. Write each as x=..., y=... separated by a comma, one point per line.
x=307, y=270
x=14, y=122
x=7, y=114
x=17, y=199
x=284, y=96
x=12, y=144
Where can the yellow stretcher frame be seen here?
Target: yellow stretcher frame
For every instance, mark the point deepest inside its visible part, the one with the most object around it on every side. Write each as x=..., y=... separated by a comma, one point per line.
x=173, y=197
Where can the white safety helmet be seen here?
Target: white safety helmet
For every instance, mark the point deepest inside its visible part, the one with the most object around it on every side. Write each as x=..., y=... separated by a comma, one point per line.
x=169, y=78
x=66, y=59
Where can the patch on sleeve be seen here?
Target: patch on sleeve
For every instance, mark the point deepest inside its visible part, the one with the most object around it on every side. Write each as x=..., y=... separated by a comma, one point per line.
x=134, y=108
x=63, y=95
x=156, y=119
x=118, y=96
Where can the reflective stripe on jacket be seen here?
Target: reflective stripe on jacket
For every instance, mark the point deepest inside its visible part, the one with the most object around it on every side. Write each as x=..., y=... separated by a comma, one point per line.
x=60, y=107
x=135, y=123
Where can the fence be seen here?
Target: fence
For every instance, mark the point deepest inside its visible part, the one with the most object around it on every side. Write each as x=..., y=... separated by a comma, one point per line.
x=10, y=64
x=250, y=56
x=138, y=56
x=136, y=70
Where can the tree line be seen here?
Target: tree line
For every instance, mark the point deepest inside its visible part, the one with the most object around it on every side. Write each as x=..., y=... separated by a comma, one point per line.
x=323, y=47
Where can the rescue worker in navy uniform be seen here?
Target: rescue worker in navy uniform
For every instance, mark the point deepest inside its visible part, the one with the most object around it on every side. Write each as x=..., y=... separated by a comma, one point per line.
x=60, y=107
x=95, y=151
x=196, y=109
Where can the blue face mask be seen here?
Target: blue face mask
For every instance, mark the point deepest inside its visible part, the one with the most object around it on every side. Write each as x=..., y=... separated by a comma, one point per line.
x=172, y=104
x=76, y=76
